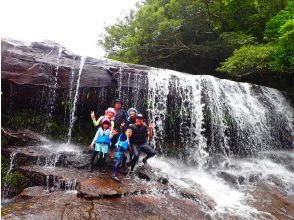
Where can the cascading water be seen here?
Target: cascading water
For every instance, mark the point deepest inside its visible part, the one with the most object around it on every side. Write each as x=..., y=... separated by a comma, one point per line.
x=240, y=118
x=6, y=185
x=73, y=110
x=157, y=98
x=220, y=116
x=52, y=92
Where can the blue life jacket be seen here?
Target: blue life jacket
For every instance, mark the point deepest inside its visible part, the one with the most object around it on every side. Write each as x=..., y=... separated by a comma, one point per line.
x=104, y=137
x=121, y=146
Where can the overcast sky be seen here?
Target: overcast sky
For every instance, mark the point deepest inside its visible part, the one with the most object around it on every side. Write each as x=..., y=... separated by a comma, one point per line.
x=76, y=24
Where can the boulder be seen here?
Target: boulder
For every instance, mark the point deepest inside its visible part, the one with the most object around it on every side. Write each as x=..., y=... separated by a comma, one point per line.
x=148, y=173
x=21, y=137
x=36, y=63
x=231, y=178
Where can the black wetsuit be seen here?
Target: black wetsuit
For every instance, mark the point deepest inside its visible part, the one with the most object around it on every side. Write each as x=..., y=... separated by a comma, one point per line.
x=120, y=117
x=139, y=143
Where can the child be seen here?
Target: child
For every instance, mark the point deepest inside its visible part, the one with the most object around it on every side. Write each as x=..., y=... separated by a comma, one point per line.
x=121, y=145
x=102, y=142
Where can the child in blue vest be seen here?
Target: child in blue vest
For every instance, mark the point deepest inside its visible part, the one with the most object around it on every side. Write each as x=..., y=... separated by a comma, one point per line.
x=102, y=141
x=121, y=146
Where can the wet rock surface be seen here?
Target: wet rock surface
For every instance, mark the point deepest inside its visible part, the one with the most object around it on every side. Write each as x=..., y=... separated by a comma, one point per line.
x=270, y=199
x=231, y=178
x=21, y=137
x=66, y=205
x=33, y=64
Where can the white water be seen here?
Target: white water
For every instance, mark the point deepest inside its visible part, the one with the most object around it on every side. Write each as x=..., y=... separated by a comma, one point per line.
x=157, y=98
x=233, y=201
x=73, y=110
x=6, y=186
x=53, y=87
x=243, y=118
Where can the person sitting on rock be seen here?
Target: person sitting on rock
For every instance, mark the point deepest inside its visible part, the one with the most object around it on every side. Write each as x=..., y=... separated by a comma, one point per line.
x=102, y=143
x=139, y=140
x=109, y=114
x=121, y=146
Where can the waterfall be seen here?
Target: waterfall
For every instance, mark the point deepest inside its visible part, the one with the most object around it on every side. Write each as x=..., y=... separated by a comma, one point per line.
x=212, y=115
x=157, y=98
x=6, y=185
x=53, y=83
x=73, y=110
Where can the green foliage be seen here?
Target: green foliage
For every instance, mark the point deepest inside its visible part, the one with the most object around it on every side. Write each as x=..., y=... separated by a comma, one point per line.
x=274, y=25
x=278, y=55
x=17, y=181
x=284, y=54
x=196, y=36
x=249, y=59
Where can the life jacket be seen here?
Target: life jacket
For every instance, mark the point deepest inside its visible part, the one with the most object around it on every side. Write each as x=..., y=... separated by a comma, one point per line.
x=103, y=136
x=121, y=146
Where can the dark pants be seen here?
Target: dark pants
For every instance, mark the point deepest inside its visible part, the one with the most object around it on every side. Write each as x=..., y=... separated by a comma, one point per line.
x=119, y=161
x=137, y=148
x=101, y=159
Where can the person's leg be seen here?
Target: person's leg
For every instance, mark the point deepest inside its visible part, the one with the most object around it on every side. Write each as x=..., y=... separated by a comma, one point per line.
x=148, y=150
x=136, y=149
x=92, y=160
x=123, y=163
x=116, y=166
x=103, y=161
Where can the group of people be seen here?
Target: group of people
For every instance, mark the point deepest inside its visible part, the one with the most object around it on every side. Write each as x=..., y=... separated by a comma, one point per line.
x=120, y=131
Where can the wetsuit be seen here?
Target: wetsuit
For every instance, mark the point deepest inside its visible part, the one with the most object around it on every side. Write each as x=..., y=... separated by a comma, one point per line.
x=139, y=143
x=120, y=117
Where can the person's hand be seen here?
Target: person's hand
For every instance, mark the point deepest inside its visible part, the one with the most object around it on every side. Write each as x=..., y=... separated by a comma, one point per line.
x=92, y=115
x=114, y=132
x=90, y=147
x=122, y=124
x=150, y=126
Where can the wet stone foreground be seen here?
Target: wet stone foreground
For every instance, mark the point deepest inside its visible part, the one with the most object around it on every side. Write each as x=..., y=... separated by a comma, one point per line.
x=62, y=188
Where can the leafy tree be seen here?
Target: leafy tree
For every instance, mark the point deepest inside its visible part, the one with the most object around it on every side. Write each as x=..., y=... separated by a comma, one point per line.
x=249, y=59
x=196, y=36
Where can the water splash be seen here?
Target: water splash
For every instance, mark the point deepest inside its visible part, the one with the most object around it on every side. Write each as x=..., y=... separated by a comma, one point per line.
x=73, y=110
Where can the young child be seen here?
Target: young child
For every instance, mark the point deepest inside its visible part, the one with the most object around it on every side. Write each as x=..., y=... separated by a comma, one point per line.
x=102, y=141
x=121, y=145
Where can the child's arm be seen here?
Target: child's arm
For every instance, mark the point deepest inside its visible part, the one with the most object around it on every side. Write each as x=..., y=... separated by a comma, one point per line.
x=96, y=136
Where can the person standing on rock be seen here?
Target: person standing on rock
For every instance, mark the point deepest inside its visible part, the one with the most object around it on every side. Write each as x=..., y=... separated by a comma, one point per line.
x=120, y=158
x=139, y=141
x=101, y=143
x=119, y=121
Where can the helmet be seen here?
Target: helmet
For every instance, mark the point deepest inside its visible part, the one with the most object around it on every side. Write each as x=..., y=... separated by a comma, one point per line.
x=119, y=101
x=140, y=116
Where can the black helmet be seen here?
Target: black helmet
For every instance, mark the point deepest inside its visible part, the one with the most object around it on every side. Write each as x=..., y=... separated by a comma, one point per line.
x=119, y=101
x=140, y=116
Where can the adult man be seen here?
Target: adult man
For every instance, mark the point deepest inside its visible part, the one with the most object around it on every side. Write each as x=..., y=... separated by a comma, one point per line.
x=120, y=114
x=139, y=140
x=120, y=119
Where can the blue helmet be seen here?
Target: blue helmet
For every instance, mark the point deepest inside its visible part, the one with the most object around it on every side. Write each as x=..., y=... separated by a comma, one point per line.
x=132, y=109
